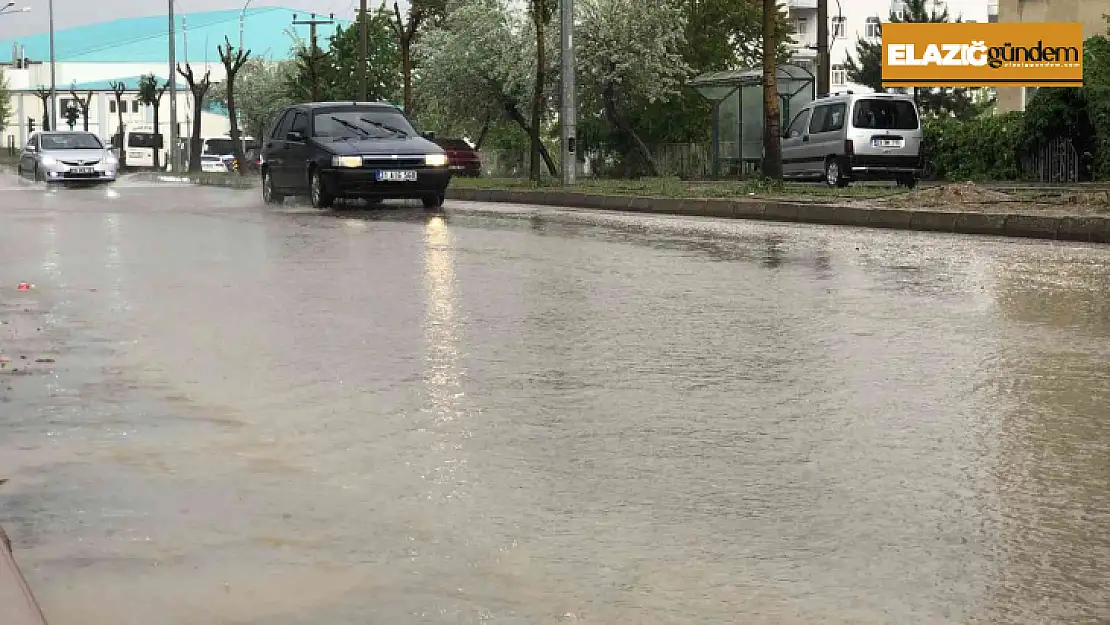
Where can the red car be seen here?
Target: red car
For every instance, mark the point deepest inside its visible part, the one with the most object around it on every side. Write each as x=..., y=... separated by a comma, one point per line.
x=462, y=159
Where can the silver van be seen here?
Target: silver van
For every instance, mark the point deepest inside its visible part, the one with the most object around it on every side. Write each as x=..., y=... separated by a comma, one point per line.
x=847, y=137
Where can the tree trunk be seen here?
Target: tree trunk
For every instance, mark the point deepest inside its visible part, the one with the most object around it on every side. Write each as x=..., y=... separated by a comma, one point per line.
x=609, y=97
x=122, y=135
x=518, y=118
x=482, y=134
x=194, y=139
x=772, y=127
x=406, y=71
x=537, y=94
x=157, y=133
x=236, y=143
x=46, y=114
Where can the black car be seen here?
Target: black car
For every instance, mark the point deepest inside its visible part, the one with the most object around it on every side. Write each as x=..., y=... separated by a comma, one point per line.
x=330, y=150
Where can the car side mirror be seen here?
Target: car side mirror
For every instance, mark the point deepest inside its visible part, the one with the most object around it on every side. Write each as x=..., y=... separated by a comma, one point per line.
x=429, y=135
x=294, y=135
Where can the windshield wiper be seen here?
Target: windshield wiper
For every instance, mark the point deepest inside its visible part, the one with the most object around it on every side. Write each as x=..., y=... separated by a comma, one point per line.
x=384, y=126
x=350, y=125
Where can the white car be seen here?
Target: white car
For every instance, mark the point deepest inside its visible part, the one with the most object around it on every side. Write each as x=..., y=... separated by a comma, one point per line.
x=211, y=163
x=70, y=157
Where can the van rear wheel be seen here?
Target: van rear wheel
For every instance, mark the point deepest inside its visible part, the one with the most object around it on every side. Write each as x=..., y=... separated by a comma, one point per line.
x=834, y=173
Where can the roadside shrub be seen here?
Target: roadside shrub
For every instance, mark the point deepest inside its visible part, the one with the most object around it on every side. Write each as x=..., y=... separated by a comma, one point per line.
x=982, y=148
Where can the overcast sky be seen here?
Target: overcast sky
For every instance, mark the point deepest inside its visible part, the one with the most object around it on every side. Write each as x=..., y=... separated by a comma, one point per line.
x=69, y=13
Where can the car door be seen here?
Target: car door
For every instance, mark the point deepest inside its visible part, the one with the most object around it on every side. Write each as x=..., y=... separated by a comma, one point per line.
x=826, y=135
x=273, y=150
x=793, y=142
x=297, y=153
x=27, y=156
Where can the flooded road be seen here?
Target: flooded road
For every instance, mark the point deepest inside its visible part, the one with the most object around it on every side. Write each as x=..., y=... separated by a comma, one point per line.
x=518, y=415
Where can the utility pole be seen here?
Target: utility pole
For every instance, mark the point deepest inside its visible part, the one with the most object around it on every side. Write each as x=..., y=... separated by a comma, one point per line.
x=363, y=35
x=313, y=50
x=242, y=20
x=823, y=69
x=53, y=76
x=569, y=112
x=174, y=155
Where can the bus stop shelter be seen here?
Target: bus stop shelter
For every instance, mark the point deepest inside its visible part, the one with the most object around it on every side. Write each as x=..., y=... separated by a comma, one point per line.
x=737, y=98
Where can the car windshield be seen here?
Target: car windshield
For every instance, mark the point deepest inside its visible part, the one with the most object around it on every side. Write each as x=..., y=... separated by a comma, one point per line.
x=71, y=141
x=220, y=146
x=375, y=123
x=885, y=115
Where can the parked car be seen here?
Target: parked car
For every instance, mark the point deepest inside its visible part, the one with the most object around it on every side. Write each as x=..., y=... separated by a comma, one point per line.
x=330, y=150
x=214, y=164
x=67, y=156
x=462, y=159
x=848, y=137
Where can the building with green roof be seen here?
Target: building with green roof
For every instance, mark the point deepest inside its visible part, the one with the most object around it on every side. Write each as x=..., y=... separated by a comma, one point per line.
x=88, y=59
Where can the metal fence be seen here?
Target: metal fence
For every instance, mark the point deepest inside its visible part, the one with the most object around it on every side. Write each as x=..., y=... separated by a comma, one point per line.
x=1055, y=160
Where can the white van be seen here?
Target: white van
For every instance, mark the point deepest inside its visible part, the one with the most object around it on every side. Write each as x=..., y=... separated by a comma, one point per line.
x=847, y=137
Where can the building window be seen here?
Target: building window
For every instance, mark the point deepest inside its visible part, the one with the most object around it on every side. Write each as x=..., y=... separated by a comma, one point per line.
x=992, y=19
x=873, y=29
x=134, y=106
x=801, y=25
x=839, y=27
x=839, y=75
x=898, y=10
x=111, y=106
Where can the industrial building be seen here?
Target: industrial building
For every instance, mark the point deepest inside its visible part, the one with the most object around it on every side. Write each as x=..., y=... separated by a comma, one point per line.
x=89, y=58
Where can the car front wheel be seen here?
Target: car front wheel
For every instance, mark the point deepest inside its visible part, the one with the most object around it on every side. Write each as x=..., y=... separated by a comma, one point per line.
x=268, y=194
x=433, y=201
x=317, y=193
x=834, y=174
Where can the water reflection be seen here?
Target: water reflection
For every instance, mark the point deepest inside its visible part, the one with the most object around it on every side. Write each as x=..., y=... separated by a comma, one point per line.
x=442, y=375
x=113, y=261
x=1054, y=440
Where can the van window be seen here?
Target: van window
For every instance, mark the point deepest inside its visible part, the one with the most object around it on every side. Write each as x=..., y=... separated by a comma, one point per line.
x=281, y=128
x=827, y=118
x=885, y=115
x=796, y=126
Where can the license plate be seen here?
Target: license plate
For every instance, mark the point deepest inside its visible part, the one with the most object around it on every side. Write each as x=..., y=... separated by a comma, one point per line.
x=886, y=143
x=81, y=170
x=397, y=176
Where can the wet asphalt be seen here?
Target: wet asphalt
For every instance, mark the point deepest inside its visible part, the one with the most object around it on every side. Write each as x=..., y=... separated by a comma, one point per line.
x=214, y=411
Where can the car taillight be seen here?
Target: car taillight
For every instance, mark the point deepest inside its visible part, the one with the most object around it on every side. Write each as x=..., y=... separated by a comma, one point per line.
x=849, y=147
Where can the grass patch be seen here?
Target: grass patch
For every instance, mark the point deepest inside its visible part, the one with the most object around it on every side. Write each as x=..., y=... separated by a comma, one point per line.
x=677, y=188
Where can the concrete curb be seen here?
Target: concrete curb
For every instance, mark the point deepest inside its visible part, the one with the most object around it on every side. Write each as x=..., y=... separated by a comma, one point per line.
x=1093, y=229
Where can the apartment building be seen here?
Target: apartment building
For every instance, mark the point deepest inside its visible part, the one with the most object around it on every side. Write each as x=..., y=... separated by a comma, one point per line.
x=1087, y=12
x=852, y=20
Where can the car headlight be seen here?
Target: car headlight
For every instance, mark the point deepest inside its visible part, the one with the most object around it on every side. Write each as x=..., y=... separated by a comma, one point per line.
x=49, y=160
x=435, y=160
x=346, y=161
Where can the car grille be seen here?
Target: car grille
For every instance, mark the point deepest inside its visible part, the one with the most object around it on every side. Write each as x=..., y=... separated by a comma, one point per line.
x=389, y=162
x=80, y=163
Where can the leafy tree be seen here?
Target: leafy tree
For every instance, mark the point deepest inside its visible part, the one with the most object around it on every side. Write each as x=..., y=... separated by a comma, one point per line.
x=5, y=101
x=630, y=54
x=199, y=88
x=233, y=60
x=866, y=68
x=150, y=94
x=262, y=89
x=478, y=65
x=337, y=68
x=407, y=28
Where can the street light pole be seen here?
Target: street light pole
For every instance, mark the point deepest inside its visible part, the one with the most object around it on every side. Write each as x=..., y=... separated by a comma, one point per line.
x=568, y=114
x=53, y=74
x=174, y=154
x=822, y=48
x=242, y=19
